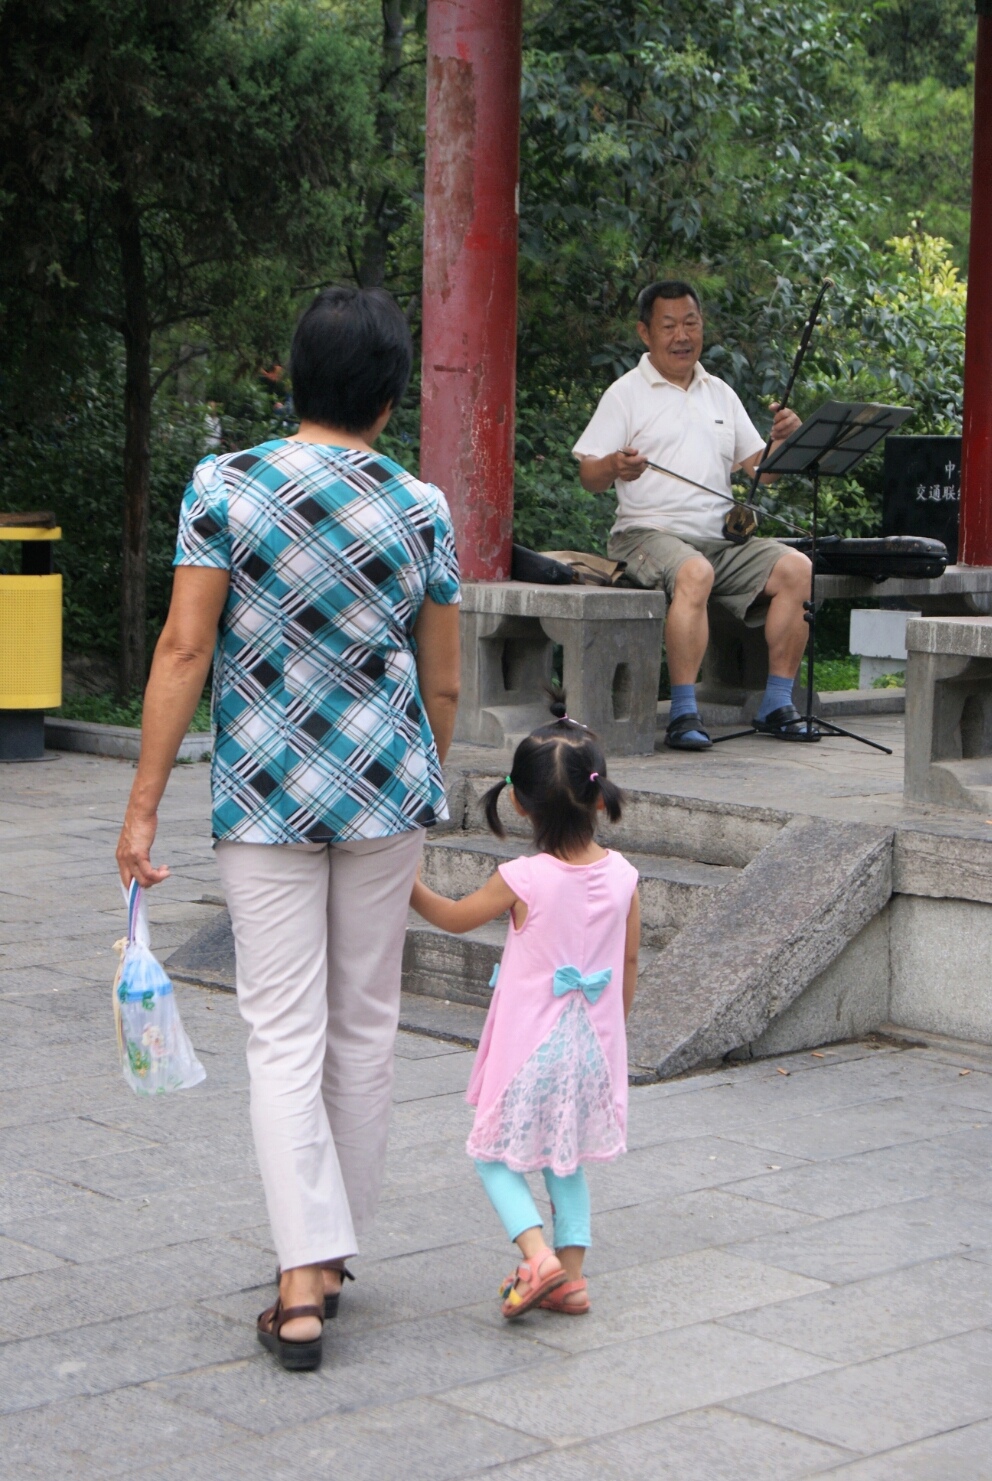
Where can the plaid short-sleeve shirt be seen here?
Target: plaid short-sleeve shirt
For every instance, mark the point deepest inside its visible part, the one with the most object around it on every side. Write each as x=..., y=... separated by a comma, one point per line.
x=320, y=728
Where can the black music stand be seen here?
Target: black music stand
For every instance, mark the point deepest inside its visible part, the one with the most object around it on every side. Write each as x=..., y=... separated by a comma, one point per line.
x=831, y=442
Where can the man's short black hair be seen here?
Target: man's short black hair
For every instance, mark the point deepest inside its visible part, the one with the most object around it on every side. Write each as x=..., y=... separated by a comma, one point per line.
x=667, y=288
x=351, y=357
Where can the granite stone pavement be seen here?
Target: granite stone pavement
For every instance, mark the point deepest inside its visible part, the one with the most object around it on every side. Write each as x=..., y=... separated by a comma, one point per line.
x=791, y=1276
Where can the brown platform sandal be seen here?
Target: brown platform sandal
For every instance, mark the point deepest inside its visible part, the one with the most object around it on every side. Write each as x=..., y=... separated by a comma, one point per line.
x=330, y=1302
x=297, y=1357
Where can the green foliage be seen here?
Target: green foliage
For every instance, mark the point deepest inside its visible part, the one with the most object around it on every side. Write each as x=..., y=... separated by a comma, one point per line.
x=894, y=333
x=174, y=171
x=910, y=40
x=833, y=673
x=108, y=709
x=269, y=146
x=912, y=156
x=72, y=465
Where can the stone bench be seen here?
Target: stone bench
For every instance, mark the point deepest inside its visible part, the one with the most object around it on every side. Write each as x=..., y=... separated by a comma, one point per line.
x=949, y=711
x=612, y=646
x=611, y=642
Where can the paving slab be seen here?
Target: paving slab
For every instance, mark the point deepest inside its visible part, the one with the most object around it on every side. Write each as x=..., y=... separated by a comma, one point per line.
x=958, y=1455
x=851, y=1248
x=880, y=1315
x=644, y=1379
x=711, y=1444
x=417, y=1440
x=889, y=1401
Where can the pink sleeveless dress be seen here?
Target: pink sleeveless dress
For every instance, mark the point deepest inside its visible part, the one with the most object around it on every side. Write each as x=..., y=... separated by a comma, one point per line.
x=550, y=1079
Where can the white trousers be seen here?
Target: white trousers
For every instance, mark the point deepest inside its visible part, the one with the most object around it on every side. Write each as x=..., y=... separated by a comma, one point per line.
x=318, y=934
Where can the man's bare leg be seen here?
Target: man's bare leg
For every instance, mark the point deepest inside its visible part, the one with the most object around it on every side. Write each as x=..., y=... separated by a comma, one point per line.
x=687, y=628
x=786, y=629
x=686, y=635
x=786, y=633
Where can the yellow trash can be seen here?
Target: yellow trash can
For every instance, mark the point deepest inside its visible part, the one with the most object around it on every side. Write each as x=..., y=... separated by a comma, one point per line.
x=30, y=637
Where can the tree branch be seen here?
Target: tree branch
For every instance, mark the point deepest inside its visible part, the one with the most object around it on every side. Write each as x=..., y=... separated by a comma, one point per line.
x=177, y=364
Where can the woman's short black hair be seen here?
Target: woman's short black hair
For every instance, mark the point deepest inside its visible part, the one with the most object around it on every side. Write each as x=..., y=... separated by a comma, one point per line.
x=351, y=357
x=559, y=776
x=667, y=288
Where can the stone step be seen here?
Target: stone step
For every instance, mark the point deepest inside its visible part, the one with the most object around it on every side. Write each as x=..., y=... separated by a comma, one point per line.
x=695, y=828
x=458, y=969
x=672, y=889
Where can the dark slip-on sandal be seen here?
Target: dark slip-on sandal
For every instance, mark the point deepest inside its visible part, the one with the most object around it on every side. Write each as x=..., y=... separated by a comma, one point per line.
x=297, y=1357
x=677, y=730
x=785, y=724
x=330, y=1302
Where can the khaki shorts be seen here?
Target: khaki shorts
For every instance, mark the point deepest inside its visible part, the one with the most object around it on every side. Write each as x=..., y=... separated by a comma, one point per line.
x=653, y=559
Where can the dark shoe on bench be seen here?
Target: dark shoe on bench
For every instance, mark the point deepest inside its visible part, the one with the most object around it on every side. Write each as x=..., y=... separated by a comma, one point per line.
x=676, y=736
x=785, y=724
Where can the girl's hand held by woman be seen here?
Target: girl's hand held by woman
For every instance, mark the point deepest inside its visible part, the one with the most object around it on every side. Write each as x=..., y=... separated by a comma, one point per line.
x=458, y=916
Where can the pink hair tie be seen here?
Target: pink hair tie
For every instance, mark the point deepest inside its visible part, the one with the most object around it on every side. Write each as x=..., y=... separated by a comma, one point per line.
x=593, y=775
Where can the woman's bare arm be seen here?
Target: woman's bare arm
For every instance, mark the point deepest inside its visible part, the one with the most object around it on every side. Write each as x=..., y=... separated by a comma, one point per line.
x=494, y=899
x=630, y=953
x=179, y=671
x=439, y=668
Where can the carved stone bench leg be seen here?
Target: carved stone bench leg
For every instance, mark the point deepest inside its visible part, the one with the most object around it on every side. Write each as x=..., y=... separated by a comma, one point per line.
x=949, y=712
x=610, y=671
x=611, y=642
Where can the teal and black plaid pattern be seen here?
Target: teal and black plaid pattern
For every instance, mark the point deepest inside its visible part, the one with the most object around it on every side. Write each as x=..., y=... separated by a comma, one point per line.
x=320, y=729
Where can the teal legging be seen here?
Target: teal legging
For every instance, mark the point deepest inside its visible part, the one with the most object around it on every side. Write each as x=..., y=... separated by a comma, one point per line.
x=512, y=1200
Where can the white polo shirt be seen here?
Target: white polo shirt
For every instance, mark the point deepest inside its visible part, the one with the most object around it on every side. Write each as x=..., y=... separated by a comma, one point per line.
x=703, y=432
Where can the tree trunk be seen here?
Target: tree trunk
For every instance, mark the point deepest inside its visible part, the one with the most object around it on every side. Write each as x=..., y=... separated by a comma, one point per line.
x=137, y=452
x=372, y=269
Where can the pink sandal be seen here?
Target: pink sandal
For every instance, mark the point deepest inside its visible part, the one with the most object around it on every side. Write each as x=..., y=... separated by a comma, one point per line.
x=529, y=1272
x=558, y=1299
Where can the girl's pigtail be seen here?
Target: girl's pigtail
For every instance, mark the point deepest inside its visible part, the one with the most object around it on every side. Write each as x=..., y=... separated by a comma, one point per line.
x=490, y=803
x=612, y=798
x=557, y=702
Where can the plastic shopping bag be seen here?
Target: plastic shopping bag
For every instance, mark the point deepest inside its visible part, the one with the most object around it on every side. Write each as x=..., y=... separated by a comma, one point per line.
x=156, y=1054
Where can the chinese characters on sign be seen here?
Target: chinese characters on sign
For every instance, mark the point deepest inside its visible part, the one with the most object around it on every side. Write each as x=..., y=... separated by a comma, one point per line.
x=922, y=488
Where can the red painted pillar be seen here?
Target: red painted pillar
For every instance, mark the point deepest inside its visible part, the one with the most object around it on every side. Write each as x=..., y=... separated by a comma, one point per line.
x=470, y=272
x=976, y=448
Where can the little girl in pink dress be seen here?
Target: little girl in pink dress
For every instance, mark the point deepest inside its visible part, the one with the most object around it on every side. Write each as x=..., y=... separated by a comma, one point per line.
x=550, y=1080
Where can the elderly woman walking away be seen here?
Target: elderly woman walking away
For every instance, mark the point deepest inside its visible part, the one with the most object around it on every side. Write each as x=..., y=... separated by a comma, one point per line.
x=322, y=580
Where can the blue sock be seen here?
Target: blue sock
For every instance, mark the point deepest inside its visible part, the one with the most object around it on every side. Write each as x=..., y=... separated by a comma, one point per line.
x=778, y=692
x=684, y=703
x=683, y=700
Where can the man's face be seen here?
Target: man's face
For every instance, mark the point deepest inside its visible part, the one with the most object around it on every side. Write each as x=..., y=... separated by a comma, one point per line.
x=674, y=337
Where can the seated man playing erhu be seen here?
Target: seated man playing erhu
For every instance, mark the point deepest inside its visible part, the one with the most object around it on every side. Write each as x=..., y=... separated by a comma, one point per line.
x=670, y=411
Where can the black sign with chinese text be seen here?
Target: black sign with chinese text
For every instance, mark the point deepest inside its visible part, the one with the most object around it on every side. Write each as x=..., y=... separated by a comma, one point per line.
x=922, y=494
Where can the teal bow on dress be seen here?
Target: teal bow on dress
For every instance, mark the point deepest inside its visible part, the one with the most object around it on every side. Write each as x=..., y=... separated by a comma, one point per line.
x=570, y=979
x=492, y=980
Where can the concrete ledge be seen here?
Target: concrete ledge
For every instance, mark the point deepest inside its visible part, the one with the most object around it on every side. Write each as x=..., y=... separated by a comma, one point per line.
x=974, y=582
x=967, y=637
x=942, y=866
x=114, y=740
x=527, y=599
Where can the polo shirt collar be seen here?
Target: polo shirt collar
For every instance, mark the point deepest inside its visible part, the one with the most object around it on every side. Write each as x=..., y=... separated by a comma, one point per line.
x=655, y=378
